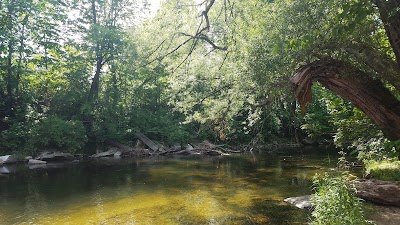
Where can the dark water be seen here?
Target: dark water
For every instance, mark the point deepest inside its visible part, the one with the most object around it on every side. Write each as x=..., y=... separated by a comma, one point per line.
x=239, y=189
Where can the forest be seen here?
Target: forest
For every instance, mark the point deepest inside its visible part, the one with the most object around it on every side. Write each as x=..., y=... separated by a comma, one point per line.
x=77, y=76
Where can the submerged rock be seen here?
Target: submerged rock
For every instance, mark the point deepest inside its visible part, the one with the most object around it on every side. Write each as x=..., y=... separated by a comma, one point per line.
x=302, y=202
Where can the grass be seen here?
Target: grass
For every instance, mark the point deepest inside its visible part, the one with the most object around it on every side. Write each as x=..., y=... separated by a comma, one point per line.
x=383, y=170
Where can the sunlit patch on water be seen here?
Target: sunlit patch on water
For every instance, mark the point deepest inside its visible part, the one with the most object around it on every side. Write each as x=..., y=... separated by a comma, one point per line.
x=230, y=190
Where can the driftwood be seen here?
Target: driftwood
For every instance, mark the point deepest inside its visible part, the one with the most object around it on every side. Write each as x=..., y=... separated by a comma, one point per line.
x=203, y=148
x=147, y=141
x=207, y=148
x=382, y=192
x=129, y=151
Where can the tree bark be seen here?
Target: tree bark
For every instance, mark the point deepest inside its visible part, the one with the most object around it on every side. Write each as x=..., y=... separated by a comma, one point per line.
x=370, y=95
x=94, y=88
x=390, y=16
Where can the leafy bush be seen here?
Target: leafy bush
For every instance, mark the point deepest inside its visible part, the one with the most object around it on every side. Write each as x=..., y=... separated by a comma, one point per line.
x=15, y=138
x=55, y=133
x=160, y=125
x=384, y=170
x=335, y=203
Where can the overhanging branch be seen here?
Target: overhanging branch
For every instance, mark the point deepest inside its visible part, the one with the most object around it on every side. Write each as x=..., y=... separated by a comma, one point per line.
x=368, y=94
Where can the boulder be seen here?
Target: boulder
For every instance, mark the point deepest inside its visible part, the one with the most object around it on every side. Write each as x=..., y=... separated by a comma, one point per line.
x=382, y=192
x=8, y=159
x=36, y=161
x=302, y=202
x=54, y=156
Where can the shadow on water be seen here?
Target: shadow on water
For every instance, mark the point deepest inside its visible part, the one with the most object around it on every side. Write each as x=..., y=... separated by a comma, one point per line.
x=239, y=189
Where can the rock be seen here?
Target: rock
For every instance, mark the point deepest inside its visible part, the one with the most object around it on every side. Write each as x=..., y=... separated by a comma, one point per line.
x=54, y=156
x=8, y=159
x=382, y=192
x=117, y=154
x=110, y=152
x=35, y=161
x=302, y=202
x=189, y=147
x=27, y=158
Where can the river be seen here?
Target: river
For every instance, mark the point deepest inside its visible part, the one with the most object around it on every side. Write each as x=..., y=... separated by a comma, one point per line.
x=237, y=189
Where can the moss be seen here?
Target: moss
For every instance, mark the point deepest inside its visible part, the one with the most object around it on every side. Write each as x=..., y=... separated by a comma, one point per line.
x=384, y=170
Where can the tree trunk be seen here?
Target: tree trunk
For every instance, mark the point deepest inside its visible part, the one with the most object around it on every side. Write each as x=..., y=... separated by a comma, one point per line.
x=390, y=16
x=94, y=88
x=370, y=95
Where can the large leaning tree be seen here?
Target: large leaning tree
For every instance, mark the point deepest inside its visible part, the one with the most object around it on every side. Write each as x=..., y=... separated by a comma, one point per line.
x=369, y=90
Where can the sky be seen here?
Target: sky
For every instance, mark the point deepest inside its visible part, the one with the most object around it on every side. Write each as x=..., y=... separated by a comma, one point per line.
x=154, y=5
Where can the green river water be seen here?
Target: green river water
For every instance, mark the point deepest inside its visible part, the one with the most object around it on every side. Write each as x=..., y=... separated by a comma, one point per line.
x=237, y=189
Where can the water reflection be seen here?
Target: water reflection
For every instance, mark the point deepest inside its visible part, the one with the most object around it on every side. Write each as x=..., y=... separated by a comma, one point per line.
x=243, y=189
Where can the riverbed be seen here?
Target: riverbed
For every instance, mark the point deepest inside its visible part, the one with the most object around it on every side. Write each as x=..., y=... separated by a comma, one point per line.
x=236, y=189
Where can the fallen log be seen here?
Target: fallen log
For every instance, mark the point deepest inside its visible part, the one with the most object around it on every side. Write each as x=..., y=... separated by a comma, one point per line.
x=382, y=192
x=147, y=141
x=129, y=151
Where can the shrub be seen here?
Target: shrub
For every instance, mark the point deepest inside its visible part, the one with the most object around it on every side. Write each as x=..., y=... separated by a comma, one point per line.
x=384, y=170
x=335, y=203
x=14, y=139
x=55, y=133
